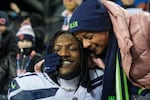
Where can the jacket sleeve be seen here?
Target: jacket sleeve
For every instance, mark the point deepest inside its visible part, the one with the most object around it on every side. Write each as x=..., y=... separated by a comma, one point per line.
x=7, y=67
x=8, y=62
x=140, y=35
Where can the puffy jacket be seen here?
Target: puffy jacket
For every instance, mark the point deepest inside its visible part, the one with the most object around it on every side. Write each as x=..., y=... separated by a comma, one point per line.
x=132, y=32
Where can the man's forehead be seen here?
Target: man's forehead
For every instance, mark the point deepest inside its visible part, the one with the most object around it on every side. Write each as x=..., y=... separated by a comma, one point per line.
x=66, y=38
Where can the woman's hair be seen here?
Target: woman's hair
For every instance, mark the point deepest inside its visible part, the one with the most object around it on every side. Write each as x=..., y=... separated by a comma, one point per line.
x=84, y=71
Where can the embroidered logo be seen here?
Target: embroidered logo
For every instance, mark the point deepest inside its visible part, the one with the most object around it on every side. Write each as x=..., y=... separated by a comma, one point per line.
x=13, y=85
x=73, y=24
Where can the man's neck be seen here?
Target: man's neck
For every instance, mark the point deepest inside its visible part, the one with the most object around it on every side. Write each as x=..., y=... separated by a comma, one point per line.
x=69, y=85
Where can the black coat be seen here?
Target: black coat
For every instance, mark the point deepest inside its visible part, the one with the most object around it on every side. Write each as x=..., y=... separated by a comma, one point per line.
x=8, y=50
x=7, y=45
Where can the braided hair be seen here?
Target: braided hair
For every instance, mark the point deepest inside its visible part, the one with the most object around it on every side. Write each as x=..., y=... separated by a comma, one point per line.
x=84, y=70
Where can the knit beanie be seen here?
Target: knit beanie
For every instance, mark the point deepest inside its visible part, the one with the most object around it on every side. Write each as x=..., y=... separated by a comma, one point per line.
x=91, y=16
x=4, y=18
x=25, y=33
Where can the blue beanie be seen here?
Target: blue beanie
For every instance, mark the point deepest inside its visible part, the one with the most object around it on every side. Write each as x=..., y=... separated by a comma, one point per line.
x=4, y=20
x=91, y=16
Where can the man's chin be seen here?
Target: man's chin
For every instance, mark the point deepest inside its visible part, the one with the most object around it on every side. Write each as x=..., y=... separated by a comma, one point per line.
x=66, y=76
x=70, y=75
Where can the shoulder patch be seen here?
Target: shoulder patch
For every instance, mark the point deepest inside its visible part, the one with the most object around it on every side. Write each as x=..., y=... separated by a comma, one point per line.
x=13, y=86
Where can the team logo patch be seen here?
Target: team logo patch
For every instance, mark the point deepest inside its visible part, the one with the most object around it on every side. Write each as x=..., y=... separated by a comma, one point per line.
x=73, y=24
x=13, y=86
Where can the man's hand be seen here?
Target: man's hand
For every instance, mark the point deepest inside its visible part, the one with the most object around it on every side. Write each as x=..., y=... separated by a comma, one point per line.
x=52, y=62
x=38, y=66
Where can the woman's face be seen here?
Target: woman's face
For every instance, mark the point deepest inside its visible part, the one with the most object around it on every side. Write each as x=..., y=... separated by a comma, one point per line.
x=24, y=44
x=95, y=42
x=67, y=47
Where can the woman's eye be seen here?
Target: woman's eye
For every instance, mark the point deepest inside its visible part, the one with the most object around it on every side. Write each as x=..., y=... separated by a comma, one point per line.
x=79, y=38
x=88, y=36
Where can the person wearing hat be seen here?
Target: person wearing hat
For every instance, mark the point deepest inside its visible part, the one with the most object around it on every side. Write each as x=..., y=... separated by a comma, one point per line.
x=92, y=24
x=62, y=16
x=8, y=50
x=27, y=56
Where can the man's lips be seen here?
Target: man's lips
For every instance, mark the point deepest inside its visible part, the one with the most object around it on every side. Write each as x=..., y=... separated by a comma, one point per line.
x=66, y=63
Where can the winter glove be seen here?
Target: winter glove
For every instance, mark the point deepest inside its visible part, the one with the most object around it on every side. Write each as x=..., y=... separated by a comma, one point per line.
x=52, y=62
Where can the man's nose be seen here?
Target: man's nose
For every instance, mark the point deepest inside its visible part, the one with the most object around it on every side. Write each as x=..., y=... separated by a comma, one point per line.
x=63, y=52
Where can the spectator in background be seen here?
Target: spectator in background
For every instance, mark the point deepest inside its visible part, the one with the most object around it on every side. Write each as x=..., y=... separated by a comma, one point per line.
x=27, y=56
x=130, y=6
x=62, y=18
x=50, y=8
x=37, y=23
x=70, y=6
x=8, y=50
x=140, y=4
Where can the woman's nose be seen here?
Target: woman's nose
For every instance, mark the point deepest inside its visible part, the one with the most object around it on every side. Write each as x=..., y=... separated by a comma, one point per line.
x=86, y=43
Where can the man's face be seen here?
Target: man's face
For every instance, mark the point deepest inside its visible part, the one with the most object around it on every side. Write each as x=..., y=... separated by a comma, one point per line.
x=95, y=42
x=24, y=44
x=67, y=47
x=2, y=28
x=70, y=4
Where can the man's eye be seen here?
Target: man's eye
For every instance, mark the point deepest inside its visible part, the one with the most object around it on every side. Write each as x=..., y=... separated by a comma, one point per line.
x=73, y=48
x=56, y=49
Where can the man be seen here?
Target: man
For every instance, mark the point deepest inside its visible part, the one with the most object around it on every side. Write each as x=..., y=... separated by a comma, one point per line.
x=62, y=18
x=67, y=76
x=130, y=6
x=91, y=23
x=70, y=6
x=27, y=55
x=8, y=50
